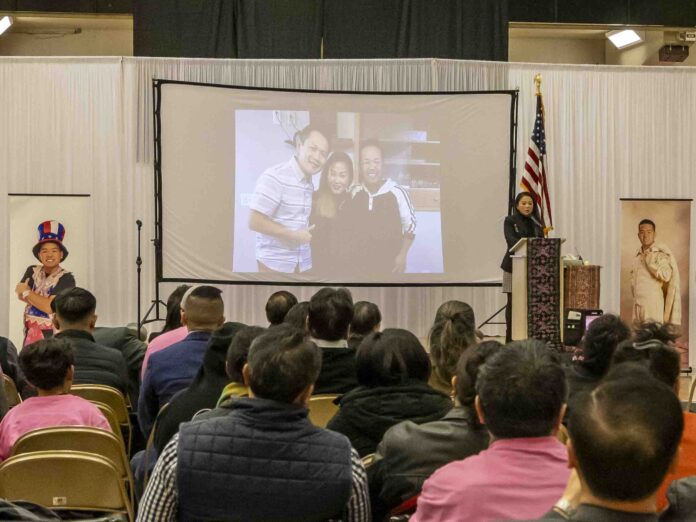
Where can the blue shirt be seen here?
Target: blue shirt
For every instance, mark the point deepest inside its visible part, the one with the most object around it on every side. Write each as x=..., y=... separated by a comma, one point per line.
x=167, y=372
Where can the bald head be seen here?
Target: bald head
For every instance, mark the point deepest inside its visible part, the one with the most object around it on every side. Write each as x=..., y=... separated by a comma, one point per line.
x=202, y=308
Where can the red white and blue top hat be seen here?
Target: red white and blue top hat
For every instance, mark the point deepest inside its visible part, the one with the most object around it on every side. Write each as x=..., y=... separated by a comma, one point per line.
x=50, y=232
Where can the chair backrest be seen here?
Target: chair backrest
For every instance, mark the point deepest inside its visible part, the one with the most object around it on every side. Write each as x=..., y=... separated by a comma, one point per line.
x=75, y=438
x=107, y=395
x=111, y=418
x=64, y=480
x=79, y=438
x=13, y=397
x=321, y=409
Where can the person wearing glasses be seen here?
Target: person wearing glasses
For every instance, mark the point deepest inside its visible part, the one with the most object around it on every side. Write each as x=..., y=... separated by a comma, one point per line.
x=281, y=205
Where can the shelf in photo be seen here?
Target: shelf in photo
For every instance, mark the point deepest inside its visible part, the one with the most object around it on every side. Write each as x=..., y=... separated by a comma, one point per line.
x=412, y=163
x=397, y=141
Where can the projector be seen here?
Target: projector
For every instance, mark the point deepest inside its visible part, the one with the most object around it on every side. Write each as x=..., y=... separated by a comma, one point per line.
x=674, y=53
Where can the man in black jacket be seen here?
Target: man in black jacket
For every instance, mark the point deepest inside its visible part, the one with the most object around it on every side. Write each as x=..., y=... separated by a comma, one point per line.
x=75, y=319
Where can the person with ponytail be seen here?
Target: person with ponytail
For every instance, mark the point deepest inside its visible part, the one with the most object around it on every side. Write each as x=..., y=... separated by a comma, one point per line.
x=452, y=333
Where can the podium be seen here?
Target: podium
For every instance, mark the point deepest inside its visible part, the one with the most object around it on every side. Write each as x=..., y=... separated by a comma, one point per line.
x=537, y=290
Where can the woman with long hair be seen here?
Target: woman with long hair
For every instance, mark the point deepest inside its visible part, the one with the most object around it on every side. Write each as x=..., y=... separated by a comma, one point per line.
x=336, y=178
x=452, y=333
x=524, y=222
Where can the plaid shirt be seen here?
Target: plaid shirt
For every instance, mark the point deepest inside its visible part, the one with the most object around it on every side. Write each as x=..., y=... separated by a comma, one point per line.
x=160, y=500
x=284, y=194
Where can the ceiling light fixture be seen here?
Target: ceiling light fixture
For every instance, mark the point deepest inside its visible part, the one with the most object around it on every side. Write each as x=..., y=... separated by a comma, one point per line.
x=5, y=23
x=624, y=38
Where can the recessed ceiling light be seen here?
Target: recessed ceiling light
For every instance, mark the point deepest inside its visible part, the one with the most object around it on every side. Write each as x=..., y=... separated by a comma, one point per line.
x=624, y=38
x=5, y=23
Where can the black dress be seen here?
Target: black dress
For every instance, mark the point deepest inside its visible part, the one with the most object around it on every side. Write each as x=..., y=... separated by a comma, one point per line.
x=327, y=238
x=515, y=228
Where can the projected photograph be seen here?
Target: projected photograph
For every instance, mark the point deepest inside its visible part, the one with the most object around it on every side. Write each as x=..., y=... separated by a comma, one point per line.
x=341, y=195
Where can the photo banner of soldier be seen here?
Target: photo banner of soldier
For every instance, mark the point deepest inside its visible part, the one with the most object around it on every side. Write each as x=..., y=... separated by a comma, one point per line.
x=655, y=247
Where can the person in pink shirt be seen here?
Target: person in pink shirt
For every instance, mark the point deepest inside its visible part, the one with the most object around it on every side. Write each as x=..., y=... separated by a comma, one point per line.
x=520, y=398
x=49, y=366
x=173, y=331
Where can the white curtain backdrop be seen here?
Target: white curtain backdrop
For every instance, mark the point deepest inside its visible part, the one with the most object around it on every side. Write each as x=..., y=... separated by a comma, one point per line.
x=74, y=125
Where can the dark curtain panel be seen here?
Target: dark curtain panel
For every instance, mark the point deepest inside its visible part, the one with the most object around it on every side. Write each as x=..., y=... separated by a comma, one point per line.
x=228, y=28
x=472, y=29
x=278, y=28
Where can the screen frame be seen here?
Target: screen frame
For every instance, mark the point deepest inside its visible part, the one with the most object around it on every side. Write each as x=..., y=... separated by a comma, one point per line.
x=157, y=163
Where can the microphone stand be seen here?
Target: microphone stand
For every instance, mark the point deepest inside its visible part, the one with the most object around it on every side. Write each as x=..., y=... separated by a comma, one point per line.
x=138, y=264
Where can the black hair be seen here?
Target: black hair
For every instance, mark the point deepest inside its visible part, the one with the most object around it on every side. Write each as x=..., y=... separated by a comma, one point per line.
x=366, y=316
x=75, y=305
x=278, y=305
x=45, y=363
x=647, y=222
x=468, y=369
x=660, y=359
x=625, y=434
x=390, y=358
x=371, y=143
x=452, y=333
x=667, y=333
x=302, y=134
x=204, y=307
x=238, y=351
x=521, y=390
x=330, y=314
x=600, y=341
x=297, y=315
x=283, y=362
x=173, y=319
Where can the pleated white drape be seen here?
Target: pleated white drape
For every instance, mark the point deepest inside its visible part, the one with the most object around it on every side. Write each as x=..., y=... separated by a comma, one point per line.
x=85, y=126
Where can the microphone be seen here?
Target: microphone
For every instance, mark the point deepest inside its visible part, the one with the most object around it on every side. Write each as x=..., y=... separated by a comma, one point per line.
x=139, y=223
x=578, y=253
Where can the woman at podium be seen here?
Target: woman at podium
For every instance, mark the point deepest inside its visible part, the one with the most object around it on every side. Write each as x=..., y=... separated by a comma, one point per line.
x=524, y=222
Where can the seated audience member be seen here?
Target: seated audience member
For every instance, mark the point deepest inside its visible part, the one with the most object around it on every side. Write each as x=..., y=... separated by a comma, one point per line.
x=49, y=366
x=126, y=341
x=393, y=369
x=520, y=398
x=264, y=460
x=173, y=368
x=9, y=361
x=278, y=306
x=297, y=315
x=173, y=330
x=206, y=387
x=452, y=333
x=328, y=320
x=598, y=346
x=366, y=319
x=663, y=362
x=624, y=437
x=409, y=453
x=681, y=497
x=75, y=319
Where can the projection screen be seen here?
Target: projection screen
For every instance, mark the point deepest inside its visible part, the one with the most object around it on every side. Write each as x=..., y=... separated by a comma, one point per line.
x=298, y=187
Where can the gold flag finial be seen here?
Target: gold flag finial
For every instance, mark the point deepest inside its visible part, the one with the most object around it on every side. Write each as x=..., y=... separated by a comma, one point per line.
x=537, y=82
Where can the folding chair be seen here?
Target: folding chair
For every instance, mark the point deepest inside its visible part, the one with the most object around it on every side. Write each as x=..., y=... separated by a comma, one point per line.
x=82, y=439
x=321, y=409
x=13, y=397
x=65, y=480
x=111, y=397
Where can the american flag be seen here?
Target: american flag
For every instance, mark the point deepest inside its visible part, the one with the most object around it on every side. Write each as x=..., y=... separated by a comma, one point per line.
x=534, y=175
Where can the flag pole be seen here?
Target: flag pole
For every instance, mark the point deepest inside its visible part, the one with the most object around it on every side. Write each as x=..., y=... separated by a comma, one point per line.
x=537, y=82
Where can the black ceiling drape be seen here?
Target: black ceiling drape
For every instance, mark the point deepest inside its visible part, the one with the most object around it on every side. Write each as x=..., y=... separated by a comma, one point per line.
x=473, y=29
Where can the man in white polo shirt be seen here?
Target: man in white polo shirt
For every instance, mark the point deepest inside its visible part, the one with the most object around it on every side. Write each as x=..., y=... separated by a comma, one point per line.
x=281, y=205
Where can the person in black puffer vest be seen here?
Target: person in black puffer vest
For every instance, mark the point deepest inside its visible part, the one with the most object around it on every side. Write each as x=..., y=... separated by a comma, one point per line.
x=393, y=369
x=264, y=460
